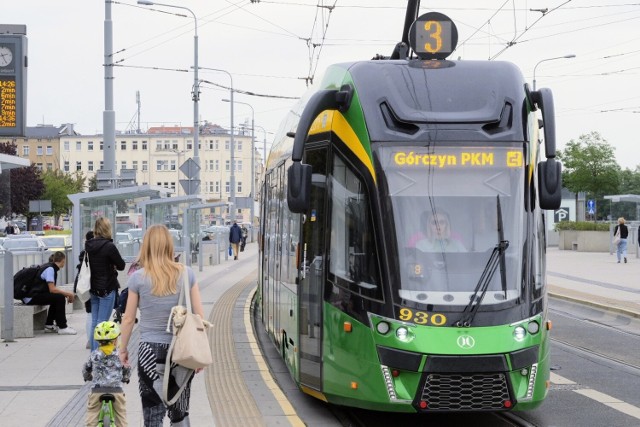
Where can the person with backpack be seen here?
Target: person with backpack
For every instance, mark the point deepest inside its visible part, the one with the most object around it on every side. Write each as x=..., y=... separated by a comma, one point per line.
x=104, y=261
x=43, y=291
x=235, y=236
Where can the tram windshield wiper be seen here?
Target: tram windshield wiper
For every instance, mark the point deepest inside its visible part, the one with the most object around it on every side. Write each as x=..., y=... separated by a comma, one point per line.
x=497, y=258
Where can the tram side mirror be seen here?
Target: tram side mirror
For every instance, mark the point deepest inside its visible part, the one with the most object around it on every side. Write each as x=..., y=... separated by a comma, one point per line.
x=550, y=183
x=299, y=187
x=543, y=98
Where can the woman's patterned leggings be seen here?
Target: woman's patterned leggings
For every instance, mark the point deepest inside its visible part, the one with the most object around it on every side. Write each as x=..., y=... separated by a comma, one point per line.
x=151, y=364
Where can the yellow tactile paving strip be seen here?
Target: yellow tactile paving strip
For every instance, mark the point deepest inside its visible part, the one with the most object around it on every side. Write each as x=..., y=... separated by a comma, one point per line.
x=231, y=401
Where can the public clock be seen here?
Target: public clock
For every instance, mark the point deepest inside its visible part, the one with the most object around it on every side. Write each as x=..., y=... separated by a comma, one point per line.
x=6, y=56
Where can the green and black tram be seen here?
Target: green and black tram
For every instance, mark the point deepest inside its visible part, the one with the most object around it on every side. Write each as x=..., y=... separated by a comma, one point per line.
x=402, y=263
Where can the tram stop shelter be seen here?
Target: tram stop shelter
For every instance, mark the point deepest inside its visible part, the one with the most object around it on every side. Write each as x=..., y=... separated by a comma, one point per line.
x=172, y=213
x=87, y=207
x=7, y=162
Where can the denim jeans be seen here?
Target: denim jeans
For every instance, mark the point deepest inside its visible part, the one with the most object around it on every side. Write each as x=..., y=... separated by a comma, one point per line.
x=101, y=309
x=622, y=249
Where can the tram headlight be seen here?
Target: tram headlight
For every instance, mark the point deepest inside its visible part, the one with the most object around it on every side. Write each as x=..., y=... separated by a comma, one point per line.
x=383, y=328
x=519, y=333
x=533, y=327
x=403, y=334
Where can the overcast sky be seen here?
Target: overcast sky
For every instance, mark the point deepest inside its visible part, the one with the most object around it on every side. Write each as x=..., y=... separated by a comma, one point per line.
x=273, y=47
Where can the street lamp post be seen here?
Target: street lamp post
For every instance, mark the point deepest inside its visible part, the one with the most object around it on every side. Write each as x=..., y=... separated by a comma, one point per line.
x=196, y=91
x=253, y=167
x=571, y=55
x=232, y=178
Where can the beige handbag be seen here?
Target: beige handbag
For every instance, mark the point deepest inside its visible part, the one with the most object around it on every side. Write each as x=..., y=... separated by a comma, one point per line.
x=190, y=344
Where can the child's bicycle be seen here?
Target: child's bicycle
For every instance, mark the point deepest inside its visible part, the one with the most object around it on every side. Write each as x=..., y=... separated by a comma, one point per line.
x=106, y=417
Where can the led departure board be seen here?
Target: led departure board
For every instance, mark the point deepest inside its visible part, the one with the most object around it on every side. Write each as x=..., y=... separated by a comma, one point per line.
x=8, y=97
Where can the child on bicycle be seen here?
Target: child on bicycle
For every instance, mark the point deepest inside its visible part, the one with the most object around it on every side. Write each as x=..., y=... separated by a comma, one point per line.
x=107, y=374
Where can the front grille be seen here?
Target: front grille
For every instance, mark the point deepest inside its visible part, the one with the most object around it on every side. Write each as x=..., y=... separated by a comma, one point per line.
x=465, y=392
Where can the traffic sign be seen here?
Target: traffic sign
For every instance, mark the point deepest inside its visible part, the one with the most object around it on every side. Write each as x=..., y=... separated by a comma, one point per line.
x=591, y=205
x=190, y=186
x=190, y=169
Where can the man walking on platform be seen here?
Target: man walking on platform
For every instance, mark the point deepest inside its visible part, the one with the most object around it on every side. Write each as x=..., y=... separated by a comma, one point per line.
x=235, y=235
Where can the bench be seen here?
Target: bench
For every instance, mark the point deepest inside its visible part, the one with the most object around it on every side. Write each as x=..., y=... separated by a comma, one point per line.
x=27, y=318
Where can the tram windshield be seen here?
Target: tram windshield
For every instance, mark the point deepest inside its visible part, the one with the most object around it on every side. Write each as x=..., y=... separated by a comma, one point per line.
x=449, y=204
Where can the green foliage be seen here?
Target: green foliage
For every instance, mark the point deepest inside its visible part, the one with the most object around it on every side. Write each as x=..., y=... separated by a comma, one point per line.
x=58, y=185
x=581, y=226
x=589, y=165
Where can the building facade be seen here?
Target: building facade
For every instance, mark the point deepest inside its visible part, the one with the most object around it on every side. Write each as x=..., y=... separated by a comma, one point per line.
x=155, y=156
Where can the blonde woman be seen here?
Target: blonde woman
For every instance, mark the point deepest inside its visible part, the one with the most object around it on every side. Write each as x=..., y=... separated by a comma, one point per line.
x=154, y=289
x=621, y=250
x=104, y=261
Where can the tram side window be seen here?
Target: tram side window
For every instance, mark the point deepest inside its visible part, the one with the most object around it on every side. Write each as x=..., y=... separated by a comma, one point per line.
x=353, y=263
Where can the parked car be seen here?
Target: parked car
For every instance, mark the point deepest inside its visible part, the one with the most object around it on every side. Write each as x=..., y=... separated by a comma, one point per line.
x=24, y=243
x=125, y=242
x=57, y=243
x=21, y=225
x=136, y=233
x=51, y=227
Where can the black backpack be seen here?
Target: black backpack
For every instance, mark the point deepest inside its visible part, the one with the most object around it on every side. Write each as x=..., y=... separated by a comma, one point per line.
x=27, y=281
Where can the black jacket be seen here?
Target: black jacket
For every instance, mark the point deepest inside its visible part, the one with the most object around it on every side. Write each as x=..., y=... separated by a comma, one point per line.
x=624, y=231
x=104, y=260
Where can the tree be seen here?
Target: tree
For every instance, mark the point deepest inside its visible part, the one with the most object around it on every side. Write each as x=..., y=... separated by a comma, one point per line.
x=58, y=185
x=589, y=165
x=25, y=184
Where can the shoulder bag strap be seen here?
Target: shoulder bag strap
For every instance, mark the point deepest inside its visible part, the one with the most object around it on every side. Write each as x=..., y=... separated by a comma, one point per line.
x=167, y=366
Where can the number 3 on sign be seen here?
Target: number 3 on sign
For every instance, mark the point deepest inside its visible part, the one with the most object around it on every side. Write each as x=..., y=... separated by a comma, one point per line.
x=434, y=29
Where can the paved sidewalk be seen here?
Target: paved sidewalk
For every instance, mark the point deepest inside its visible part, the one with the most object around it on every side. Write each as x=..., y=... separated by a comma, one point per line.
x=40, y=376
x=595, y=278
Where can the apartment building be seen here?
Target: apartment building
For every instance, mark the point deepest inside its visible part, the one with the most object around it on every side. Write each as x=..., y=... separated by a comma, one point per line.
x=156, y=156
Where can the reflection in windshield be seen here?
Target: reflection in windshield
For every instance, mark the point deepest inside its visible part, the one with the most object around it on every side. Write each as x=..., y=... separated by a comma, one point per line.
x=444, y=208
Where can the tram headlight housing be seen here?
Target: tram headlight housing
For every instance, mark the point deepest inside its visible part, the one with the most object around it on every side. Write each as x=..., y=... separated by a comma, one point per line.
x=403, y=334
x=533, y=327
x=383, y=328
x=519, y=333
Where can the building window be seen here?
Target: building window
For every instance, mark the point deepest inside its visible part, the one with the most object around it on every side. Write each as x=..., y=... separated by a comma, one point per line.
x=226, y=187
x=39, y=166
x=90, y=145
x=158, y=145
x=217, y=146
x=210, y=144
x=66, y=145
x=226, y=145
x=123, y=164
x=172, y=165
x=123, y=145
x=49, y=166
x=78, y=145
x=134, y=145
x=167, y=145
x=144, y=145
x=101, y=164
x=145, y=166
x=226, y=165
x=209, y=165
x=239, y=190
x=217, y=165
x=90, y=165
x=25, y=150
x=39, y=150
x=210, y=186
x=101, y=145
x=49, y=150
x=134, y=165
x=217, y=187
x=66, y=165
x=239, y=145
x=189, y=145
x=162, y=165
x=239, y=165
x=78, y=166
x=174, y=144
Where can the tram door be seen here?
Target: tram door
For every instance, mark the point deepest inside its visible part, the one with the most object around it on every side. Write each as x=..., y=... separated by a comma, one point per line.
x=312, y=273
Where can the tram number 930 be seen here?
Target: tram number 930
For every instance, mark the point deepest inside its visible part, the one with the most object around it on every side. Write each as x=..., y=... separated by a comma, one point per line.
x=421, y=317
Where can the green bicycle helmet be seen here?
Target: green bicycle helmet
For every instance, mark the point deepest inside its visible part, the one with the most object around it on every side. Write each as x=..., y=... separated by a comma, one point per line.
x=106, y=331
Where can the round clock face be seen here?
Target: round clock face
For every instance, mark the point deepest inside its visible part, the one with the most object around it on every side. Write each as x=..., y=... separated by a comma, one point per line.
x=5, y=56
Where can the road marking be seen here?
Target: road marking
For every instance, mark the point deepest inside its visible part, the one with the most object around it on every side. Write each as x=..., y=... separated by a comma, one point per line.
x=605, y=399
x=282, y=400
